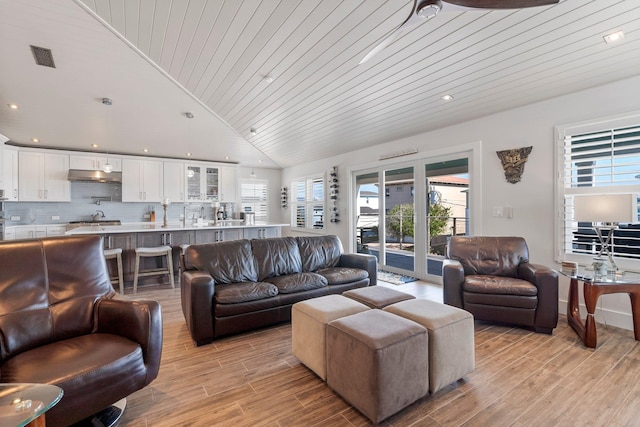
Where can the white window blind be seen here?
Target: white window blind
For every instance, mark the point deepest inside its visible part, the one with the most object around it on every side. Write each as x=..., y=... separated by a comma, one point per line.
x=308, y=206
x=605, y=161
x=253, y=198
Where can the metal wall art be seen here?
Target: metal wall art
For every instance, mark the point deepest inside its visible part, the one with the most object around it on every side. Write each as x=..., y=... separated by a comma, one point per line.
x=333, y=194
x=513, y=162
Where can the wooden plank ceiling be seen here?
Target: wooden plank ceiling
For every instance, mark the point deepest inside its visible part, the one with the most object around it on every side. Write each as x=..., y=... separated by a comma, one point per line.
x=322, y=103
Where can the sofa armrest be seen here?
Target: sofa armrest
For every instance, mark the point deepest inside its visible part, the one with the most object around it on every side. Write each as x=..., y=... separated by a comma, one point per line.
x=139, y=321
x=364, y=262
x=452, y=281
x=546, y=280
x=197, y=289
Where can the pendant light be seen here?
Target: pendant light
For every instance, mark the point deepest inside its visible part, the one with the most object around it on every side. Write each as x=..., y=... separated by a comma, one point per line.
x=107, y=168
x=190, y=172
x=252, y=175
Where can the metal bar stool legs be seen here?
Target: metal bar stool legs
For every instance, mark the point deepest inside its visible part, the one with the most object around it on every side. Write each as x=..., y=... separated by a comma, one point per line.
x=164, y=251
x=117, y=255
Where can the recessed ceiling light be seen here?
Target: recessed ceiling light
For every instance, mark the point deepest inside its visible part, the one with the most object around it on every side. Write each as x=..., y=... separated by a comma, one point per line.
x=146, y=150
x=260, y=161
x=253, y=131
x=447, y=97
x=94, y=145
x=188, y=154
x=13, y=106
x=614, y=37
x=268, y=79
x=35, y=140
x=227, y=157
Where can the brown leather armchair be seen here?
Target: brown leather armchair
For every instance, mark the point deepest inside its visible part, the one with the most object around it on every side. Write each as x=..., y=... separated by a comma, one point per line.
x=59, y=324
x=491, y=277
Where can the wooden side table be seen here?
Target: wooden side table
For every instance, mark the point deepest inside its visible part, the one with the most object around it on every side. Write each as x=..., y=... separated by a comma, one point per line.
x=593, y=288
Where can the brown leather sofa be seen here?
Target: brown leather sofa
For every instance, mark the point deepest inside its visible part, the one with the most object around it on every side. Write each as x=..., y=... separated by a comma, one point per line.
x=236, y=286
x=59, y=324
x=491, y=277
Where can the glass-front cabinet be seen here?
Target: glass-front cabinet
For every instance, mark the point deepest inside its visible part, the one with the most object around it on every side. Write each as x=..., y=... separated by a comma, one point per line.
x=202, y=183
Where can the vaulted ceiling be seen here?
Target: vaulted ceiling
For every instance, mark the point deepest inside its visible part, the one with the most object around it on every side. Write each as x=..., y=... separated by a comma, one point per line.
x=290, y=70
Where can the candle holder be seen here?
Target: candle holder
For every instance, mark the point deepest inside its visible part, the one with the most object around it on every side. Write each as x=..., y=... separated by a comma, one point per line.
x=165, y=203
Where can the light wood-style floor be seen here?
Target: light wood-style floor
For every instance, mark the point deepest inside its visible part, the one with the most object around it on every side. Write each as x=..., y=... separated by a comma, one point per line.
x=521, y=379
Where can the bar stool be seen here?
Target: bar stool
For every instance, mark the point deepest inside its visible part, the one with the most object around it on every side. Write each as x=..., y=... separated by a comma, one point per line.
x=116, y=254
x=159, y=251
x=183, y=250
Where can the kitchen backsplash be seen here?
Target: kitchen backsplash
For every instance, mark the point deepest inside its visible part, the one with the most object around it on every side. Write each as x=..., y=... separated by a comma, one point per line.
x=85, y=197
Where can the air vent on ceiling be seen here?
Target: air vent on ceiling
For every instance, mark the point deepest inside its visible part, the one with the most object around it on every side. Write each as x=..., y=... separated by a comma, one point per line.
x=43, y=56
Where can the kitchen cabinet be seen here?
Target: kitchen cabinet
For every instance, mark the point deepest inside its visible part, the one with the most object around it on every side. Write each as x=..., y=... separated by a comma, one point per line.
x=42, y=177
x=10, y=174
x=174, y=181
x=97, y=162
x=142, y=181
x=56, y=230
x=29, y=231
x=227, y=180
x=202, y=185
x=261, y=232
x=212, y=236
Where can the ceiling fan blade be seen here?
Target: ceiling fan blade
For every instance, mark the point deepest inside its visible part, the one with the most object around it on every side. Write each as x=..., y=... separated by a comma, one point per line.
x=502, y=4
x=413, y=19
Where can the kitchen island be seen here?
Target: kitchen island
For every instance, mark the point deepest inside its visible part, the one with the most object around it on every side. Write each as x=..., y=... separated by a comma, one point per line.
x=129, y=236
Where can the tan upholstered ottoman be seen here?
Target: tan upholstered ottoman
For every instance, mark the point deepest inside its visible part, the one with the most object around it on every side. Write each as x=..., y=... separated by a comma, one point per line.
x=376, y=362
x=309, y=321
x=377, y=296
x=451, y=344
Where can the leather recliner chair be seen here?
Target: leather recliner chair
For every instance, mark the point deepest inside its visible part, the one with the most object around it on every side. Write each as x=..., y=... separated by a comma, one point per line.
x=60, y=325
x=491, y=277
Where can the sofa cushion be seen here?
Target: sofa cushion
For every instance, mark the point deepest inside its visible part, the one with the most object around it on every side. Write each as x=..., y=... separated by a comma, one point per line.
x=244, y=291
x=340, y=275
x=319, y=252
x=226, y=262
x=298, y=282
x=276, y=256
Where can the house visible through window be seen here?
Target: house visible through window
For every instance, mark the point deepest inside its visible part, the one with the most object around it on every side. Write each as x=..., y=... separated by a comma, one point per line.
x=308, y=207
x=597, y=161
x=253, y=198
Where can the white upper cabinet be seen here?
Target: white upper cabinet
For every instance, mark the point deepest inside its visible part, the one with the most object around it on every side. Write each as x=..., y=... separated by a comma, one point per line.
x=228, y=182
x=42, y=177
x=10, y=174
x=142, y=181
x=94, y=163
x=202, y=182
x=175, y=176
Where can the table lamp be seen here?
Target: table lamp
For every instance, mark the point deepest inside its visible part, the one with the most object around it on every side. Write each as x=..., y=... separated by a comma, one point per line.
x=605, y=211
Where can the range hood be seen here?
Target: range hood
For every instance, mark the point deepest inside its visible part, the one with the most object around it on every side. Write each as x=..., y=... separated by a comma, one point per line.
x=93, y=176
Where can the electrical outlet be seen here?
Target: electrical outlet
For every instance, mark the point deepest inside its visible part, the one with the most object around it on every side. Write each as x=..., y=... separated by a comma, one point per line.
x=55, y=217
x=146, y=216
x=15, y=218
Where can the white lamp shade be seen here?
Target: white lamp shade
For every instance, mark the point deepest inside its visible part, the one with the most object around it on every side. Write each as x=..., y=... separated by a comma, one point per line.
x=606, y=208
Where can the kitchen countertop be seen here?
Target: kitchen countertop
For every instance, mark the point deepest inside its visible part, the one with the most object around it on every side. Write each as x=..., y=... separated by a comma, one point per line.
x=141, y=227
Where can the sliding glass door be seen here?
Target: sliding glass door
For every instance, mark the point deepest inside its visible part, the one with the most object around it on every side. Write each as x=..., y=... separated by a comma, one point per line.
x=407, y=212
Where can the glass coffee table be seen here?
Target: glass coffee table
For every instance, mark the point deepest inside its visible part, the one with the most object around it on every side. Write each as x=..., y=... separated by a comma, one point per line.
x=593, y=287
x=25, y=404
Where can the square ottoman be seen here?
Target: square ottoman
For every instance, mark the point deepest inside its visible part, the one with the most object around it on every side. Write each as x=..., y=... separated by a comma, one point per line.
x=451, y=343
x=377, y=296
x=309, y=321
x=377, y=362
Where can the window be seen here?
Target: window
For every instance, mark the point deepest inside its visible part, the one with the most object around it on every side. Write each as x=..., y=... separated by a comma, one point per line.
x=597, y=159
x=253, y=198
x=308, y=206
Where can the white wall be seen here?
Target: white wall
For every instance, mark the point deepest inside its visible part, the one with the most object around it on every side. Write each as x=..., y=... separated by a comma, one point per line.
x=532, y=199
